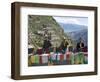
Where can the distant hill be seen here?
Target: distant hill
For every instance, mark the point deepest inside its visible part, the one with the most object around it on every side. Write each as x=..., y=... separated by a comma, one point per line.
x=75, y=31
x=75, y=36
x=69, y=27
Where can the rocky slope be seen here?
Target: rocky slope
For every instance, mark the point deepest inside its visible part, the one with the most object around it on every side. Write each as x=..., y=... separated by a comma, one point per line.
x=36, y=25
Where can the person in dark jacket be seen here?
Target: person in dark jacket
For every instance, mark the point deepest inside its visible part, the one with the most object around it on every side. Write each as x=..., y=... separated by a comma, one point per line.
x=63, y=46
x=46, y=45
x=80, y=45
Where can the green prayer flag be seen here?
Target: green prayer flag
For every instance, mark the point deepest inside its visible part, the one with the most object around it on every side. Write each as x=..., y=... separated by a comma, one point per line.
x=71, y=58
x=36, y=58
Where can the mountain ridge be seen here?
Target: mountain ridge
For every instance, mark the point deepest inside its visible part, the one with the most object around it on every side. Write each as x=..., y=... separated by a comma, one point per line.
x=68, y=27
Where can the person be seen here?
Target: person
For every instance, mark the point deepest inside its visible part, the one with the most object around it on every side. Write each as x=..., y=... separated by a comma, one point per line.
x=30, y=49
x=39, y=51
x=80, y=45
x=46, y=45
x=70, y=47
x=64, y=45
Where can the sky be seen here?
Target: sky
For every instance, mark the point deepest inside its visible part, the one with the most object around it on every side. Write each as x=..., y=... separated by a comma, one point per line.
x=72, y=20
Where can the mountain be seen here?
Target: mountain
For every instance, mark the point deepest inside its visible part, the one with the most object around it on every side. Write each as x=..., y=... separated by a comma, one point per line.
x=75, y=35
x=36, y=26
x=69, y=27
x=75, y=31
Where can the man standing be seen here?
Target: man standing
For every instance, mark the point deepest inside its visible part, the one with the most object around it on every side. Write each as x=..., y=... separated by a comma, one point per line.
x=80, y=45
x=63, y=46
x=46, y=45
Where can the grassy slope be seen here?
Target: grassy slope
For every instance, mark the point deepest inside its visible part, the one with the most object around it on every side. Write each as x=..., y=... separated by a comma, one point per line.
x=35, y=23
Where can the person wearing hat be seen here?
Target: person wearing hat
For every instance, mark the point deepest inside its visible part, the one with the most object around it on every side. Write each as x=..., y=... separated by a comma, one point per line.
x=64, y=45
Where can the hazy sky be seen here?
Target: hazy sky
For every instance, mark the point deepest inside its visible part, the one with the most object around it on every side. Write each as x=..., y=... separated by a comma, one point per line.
x=72, y=20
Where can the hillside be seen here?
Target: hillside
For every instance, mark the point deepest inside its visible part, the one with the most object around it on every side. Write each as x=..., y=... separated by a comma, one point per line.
x=75, y=35
x=36, y=30
x=75, y=31
x=70, y=27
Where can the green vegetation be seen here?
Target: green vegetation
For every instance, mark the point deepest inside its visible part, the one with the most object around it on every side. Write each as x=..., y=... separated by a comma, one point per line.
x=35, y=30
